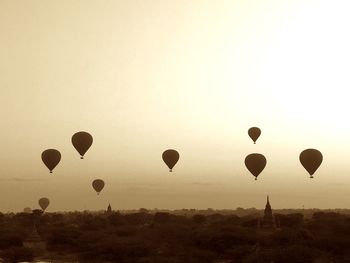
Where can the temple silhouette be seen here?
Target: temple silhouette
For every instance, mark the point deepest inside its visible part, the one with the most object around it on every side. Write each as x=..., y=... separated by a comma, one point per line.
x=34, y=241
x=109, y=209
x=268, y=221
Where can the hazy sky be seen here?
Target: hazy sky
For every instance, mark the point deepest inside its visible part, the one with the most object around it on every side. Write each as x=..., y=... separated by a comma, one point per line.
x=145, y=76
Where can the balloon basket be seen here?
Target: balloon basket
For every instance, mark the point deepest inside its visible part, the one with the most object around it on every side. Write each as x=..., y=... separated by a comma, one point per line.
x=171, y=170
x=81, y=157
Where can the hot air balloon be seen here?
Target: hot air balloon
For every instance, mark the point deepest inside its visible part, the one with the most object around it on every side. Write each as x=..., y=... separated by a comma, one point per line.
x=51, y=158
x=82, y=142
x=311, y=159
x=254, y=133
x=44, y=203
x=98, y=185
x=255, y=163
x=170, y=157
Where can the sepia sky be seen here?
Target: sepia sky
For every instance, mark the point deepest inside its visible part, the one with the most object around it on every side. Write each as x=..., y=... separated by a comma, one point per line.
x=145, y=76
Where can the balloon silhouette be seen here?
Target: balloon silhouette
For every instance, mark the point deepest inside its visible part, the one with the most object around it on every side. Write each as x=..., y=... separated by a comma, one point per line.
x=255, y=163
x=98, y=185
x=82, y=142
x=170, y=157
x=311, y=159
x=254, y=133
x=44, y=203
x=51, y=158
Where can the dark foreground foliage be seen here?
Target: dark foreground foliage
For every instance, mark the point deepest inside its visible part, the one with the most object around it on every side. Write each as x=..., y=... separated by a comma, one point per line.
x=162, y=237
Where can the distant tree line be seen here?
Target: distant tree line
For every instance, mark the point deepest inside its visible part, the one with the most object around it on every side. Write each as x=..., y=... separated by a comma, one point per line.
x=164, y=237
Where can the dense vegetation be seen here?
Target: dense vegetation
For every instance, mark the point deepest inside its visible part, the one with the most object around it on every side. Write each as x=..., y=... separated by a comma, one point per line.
x=163, y=237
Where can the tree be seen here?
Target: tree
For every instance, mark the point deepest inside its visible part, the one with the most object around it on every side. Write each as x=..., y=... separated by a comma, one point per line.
x=199, y=219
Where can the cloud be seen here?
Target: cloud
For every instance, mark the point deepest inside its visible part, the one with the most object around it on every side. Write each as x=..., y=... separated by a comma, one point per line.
x=202, y=183
x=341, y=185
x=18, y=179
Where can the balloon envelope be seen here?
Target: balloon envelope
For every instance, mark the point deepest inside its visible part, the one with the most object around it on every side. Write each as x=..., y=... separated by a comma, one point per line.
x=44, y=203
x=254, y=133
x=255, y=163
x=98, y=185
x=51, y=158
x=170, y=157
x=311, y=159
x=82, y=141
